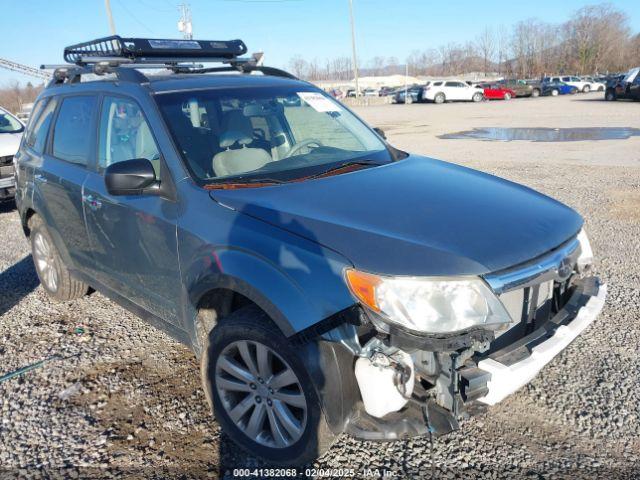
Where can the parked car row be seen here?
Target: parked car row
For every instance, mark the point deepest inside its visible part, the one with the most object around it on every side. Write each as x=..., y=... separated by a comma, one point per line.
x=441, y=91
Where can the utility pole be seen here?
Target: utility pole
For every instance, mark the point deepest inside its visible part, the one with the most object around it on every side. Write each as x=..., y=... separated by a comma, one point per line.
x=184, y=24
x=112, y=26
x=406, y=83
x=353, y=47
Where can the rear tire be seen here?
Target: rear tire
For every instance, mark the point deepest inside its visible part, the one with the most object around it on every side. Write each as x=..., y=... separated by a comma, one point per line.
x=535, y=93
x=439, y=98
x=408, y=100
x=52, y=272
x=610, y=96
x=586, y=89
x=284, y=431
x=555, y=92
x=507, y=96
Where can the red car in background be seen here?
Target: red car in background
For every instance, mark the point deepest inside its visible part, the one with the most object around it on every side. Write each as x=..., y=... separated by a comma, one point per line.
x=497, y=92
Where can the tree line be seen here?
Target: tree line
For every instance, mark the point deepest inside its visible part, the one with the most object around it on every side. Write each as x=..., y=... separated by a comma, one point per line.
x=596, y=39
x=15, y=95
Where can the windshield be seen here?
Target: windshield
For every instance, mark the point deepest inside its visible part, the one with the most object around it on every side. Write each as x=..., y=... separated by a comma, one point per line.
x=266, y=133
x=9, y=124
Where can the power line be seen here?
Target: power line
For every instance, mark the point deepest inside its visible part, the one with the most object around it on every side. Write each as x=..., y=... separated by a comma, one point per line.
x=136, y=19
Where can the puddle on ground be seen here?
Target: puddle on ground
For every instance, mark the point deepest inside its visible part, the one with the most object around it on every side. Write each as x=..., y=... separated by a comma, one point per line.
x=545, y=134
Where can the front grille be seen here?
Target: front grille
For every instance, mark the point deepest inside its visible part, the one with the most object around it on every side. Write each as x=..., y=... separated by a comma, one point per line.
x=533, y=292
x=6, y=160
x=6, y=172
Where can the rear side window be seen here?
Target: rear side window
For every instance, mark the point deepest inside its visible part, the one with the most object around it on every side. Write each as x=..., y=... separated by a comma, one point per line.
x=72, y=133
x=36, y=135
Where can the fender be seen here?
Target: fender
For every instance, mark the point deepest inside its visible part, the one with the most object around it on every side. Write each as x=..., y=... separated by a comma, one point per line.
x=286, y=300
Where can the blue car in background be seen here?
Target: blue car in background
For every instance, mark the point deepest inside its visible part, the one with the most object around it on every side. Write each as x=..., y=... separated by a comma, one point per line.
x=557, y=88
x=327, y=280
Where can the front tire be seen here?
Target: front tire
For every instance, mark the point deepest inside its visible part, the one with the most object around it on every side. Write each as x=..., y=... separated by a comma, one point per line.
x=52, y=272
x=507, y=96
x=610, y=96
x=586, y=89
x=477, y=97
x=555, y=92
x=261, y=392
x=439, y=98
x=535, y=93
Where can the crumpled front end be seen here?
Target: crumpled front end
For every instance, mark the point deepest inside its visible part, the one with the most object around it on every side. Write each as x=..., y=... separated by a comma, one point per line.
x=408, y=380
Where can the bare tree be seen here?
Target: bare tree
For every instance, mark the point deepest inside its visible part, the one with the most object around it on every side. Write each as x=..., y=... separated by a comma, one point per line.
x=299, y=66
x=485, y=43
x=595, y=38
x=13, y=96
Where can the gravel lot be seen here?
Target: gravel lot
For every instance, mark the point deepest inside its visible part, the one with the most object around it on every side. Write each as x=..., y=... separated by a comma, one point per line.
x=128, y=398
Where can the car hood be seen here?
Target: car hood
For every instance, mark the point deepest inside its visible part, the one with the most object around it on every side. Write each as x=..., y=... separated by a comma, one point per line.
x=9, y=143
x=417, y=216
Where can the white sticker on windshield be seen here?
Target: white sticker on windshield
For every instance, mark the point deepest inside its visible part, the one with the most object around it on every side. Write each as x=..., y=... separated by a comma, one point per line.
x=319, y=102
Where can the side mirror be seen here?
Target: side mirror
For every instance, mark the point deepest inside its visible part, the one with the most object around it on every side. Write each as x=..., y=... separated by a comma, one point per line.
x=380, y=132
x=131, y=177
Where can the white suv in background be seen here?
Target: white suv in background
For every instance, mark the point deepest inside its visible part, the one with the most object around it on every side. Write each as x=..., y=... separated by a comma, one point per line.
x=594, y=84
x=581, y=85
x=452, y=90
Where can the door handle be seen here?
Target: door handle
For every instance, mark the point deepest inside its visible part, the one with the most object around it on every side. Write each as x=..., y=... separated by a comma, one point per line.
x=92, y=202
x=40, y=178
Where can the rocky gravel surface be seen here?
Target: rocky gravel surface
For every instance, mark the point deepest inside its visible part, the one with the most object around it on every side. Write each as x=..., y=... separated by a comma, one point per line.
x=119, y=398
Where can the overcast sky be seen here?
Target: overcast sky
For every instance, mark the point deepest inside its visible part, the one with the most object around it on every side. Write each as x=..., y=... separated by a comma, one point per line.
x=36, y=31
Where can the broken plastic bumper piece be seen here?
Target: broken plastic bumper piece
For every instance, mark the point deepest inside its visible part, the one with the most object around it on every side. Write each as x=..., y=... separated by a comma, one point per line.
x=517, y=364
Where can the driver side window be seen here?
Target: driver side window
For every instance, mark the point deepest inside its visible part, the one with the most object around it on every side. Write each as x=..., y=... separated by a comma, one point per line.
x=125, y=134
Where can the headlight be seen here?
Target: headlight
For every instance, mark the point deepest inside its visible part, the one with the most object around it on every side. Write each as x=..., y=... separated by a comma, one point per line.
x=586, y=254
x=430, y=304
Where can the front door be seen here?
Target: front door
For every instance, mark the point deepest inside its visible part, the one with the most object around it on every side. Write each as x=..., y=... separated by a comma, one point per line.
x=133, y=236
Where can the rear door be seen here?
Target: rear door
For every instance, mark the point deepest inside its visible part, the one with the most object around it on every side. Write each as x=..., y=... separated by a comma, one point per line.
x=60, y=177
x=454, y=90
x=133, y=237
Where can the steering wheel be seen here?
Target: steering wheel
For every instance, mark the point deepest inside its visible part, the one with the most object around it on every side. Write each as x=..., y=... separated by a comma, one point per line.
x=299, y=146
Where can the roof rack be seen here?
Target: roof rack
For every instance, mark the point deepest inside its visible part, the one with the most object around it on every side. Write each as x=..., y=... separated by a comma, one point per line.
x=141, y=50
x=124, y=56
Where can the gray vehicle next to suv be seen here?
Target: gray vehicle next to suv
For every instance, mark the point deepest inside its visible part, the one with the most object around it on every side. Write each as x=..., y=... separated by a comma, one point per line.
x=328, y=281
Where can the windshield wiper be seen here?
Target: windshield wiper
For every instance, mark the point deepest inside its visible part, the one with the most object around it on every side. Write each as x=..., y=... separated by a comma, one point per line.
x=248, y=183
x=345, y=167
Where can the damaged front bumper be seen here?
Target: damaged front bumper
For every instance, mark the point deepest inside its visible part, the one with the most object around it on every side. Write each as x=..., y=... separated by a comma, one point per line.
x=452, y=374
x=512, y=367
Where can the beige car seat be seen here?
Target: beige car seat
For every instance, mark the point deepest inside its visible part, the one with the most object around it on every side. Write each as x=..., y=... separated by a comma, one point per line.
x=240, y=160
x=237, y=128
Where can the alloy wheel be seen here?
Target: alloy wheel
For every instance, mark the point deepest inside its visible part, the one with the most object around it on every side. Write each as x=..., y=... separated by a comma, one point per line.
x=45, y=262
x=261, y=394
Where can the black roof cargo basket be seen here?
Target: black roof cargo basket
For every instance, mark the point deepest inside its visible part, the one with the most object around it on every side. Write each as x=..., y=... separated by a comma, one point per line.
x=125, y=57
x=142, y=50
